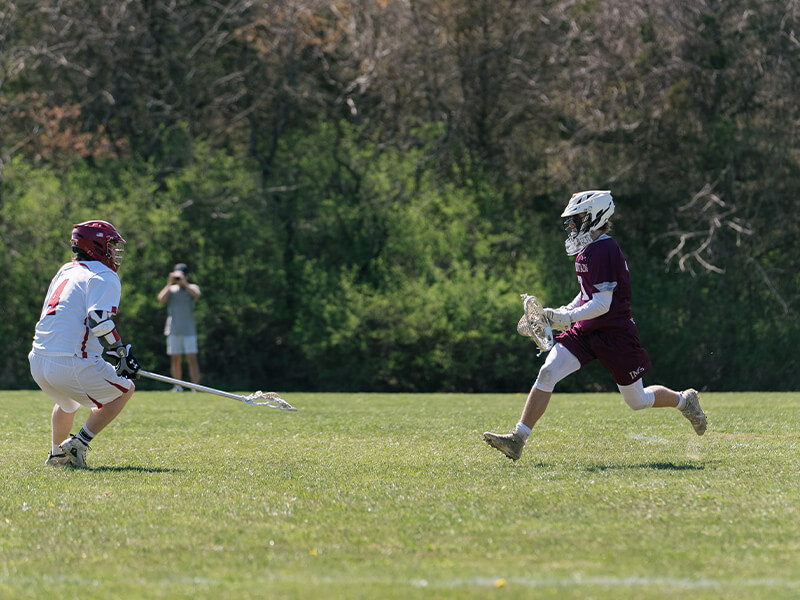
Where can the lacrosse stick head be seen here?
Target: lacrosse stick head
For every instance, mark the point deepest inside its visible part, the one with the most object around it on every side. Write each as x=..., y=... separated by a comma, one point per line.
x=270, y=399
x=534, y=324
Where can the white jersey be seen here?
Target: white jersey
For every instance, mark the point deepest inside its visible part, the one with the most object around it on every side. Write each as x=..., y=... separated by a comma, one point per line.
x=77, y=288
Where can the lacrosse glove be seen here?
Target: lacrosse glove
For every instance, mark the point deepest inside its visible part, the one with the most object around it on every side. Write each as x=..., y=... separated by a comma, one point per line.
x=559, y=318
x=127, y=366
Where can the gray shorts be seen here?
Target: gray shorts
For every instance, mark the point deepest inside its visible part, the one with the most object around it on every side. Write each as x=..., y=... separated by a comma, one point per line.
x=181, y=344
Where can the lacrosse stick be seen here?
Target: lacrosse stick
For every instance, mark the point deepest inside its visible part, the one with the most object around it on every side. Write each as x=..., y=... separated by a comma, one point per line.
x=270, y=399
x=534, y=324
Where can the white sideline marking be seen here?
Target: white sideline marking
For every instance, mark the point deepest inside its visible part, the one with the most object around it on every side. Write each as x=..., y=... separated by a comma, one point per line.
x=608, y=582
x=575, y=581
x=640, y=437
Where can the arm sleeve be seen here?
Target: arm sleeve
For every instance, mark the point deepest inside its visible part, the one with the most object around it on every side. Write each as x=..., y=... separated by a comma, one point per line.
x=597, y=306
x=576, y=302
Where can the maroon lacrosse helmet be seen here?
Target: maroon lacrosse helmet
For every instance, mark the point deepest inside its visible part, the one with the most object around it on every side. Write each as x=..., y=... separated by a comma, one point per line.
x=101, y=241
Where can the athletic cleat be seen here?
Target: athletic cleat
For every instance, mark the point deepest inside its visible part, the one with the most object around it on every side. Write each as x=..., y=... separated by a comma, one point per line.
x=509, y=444
x=176, y=388
x=56, y=460
x=693, y=412
x=75, y=451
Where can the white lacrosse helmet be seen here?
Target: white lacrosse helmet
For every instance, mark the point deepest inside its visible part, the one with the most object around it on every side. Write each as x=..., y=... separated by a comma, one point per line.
x=596, y=206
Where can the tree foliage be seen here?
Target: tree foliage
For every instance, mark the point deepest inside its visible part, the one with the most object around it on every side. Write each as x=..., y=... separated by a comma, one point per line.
x=363, y=188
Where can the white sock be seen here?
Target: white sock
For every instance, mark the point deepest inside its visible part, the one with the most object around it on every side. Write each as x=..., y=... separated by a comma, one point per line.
x=681, y=402
x=522, y=431
x=56, y=449
x=85, y=435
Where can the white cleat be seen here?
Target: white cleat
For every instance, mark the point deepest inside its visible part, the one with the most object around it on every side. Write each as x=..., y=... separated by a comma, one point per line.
x=509, y=444
x=693, y=412
x=56, y=460
x=75, y=451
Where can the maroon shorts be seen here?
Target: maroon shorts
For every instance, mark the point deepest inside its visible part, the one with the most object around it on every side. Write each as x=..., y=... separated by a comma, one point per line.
x=618, y=350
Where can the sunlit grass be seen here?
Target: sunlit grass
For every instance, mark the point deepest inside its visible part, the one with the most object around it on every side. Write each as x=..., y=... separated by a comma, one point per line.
x=396, y=496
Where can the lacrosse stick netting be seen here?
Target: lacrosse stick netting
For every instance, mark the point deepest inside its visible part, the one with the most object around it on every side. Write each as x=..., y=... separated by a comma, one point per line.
x=534, y=324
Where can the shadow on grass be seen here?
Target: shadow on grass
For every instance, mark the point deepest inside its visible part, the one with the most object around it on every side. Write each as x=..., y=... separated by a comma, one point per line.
x=656, y=466
x=133, y=469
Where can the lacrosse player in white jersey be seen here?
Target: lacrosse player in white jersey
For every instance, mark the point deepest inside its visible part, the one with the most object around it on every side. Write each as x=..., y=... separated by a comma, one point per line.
x=597, y=324
x=75, y=330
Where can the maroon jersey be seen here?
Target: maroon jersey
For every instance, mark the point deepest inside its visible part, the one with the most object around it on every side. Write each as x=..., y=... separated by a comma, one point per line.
x=601, y=267
x=611, y=338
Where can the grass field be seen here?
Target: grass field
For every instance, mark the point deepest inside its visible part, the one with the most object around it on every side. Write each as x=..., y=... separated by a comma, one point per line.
x=396, y=496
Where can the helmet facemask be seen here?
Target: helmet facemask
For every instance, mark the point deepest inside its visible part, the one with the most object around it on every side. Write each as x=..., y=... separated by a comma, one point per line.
x=578, y=231
x=116, y=252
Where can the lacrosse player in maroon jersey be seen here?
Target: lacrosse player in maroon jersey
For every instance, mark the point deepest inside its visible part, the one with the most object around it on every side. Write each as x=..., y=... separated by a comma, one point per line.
x=75, y=330
x=597, y=324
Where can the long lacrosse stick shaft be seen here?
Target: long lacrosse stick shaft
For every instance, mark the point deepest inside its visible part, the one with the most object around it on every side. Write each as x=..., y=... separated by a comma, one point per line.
x=187, y=384
x=270, y=399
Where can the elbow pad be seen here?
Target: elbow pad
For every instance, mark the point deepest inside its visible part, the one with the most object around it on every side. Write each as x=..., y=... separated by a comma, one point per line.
x=103, y=328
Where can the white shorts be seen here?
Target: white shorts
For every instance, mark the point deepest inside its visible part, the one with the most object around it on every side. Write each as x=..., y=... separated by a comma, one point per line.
x=74, y=382
x=181, y=344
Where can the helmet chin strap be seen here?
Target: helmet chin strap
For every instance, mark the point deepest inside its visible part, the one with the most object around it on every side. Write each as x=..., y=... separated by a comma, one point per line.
x=586, y=225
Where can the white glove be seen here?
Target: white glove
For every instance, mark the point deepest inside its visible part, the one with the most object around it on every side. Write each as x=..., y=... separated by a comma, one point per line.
x=559, y=318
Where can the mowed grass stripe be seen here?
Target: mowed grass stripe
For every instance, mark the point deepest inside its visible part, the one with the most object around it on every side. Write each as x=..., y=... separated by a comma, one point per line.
x=382, y=495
